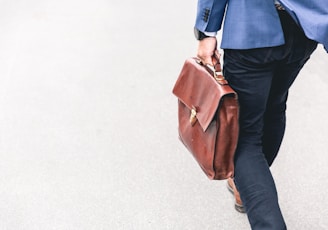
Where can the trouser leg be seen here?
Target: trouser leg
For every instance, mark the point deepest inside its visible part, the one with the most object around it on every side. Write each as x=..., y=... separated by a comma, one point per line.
x=297, y=51
x=251, y=77
x=262, y=78
x=275, y=115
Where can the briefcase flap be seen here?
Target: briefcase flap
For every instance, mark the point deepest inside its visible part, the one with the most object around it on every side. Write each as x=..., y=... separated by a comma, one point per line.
x=200, y=91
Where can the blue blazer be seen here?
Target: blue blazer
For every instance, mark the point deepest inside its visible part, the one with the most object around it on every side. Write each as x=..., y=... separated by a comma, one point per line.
x=255, y=23
x=247, y=24
x=312, y=16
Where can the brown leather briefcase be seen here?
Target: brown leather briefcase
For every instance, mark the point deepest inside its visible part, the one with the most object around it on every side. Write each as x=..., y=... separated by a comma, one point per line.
x=208, y=117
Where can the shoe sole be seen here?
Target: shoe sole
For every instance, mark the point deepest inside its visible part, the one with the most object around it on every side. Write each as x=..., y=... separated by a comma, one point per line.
x=239, y=208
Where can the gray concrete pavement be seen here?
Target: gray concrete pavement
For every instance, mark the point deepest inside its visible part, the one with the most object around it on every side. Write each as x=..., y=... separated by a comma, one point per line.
x=88, y=130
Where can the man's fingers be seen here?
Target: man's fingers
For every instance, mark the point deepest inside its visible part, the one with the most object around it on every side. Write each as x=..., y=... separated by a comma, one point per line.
x=206, y=50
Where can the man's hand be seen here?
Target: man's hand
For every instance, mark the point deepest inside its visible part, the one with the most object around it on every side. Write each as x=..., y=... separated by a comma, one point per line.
x=206, y=50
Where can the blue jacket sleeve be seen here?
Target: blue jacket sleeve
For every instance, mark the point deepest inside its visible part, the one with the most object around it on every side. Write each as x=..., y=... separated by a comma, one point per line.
x=210, y=14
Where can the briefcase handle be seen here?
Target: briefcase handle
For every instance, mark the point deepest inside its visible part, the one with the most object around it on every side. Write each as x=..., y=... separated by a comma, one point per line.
x=215, y=62
x=215, y=68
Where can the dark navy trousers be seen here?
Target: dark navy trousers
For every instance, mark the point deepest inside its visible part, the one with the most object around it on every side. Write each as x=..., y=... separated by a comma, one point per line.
x=262, y=78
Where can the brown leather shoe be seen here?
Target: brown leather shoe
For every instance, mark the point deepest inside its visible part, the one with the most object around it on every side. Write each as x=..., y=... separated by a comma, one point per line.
x=238, y=203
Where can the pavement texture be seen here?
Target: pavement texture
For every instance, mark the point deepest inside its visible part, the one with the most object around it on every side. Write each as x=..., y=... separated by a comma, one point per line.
x=88, y=124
